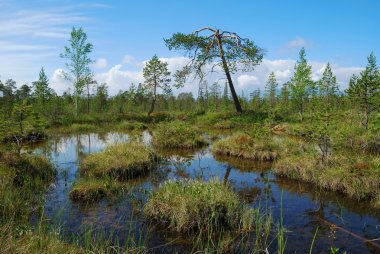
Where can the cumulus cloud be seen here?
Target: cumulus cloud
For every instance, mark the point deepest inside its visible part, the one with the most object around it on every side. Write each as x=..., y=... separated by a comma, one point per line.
x=101, y=63
x=118, y=79
x=58, y=83
x=121, y=76
x=296, y=44
x=247, y=80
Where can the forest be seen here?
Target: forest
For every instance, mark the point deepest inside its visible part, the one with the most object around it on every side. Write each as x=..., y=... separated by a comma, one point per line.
x=153, y=169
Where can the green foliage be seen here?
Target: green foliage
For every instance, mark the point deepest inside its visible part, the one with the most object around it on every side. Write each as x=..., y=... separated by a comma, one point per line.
x=270, y=91
x=365, y=90
x=222, y=49
x=78, y=65
x=156, y=76
x=42, y=92
x=301, y=83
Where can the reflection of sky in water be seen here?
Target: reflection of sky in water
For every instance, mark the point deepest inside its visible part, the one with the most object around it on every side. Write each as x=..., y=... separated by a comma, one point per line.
x=302, y=209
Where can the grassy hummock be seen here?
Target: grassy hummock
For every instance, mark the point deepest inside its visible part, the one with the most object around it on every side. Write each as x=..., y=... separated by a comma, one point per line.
x=186, y=206
x=92, y=190
x=28, y=169
x=246, y=147
x=131, y=126
x=177, y=134
x=120, y=161
x=354, y=175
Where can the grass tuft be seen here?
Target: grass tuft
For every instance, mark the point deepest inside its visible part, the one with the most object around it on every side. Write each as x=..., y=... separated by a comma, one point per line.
x=92, y=190
x=246, y=147
x=177, y=134
x=356, y=176
x=122, y=161
x=187, y=206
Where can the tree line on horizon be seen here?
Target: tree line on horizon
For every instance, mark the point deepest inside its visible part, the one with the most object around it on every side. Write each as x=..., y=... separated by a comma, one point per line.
x=219, y=49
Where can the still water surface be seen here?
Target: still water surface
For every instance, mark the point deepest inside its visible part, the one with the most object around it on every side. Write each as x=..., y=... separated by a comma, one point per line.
x=304, y=208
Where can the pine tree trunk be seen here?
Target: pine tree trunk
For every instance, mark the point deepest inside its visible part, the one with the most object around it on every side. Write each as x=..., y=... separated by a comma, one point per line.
x=153, y=99
x=227, y=71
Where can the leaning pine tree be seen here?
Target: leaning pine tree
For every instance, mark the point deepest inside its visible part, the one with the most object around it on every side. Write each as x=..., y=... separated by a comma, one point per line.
x=222, y=49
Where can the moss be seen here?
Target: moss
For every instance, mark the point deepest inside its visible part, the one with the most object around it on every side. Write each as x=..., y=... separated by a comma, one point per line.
x=177, y=134
x=246, y=147
x=120, y=161
x=195, y=205
x=92, y=190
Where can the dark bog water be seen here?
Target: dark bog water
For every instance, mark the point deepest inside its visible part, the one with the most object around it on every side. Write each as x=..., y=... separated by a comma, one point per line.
x=304, y=208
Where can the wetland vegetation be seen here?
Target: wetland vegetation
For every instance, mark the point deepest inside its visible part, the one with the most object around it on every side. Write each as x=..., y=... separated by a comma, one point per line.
x=149, y=171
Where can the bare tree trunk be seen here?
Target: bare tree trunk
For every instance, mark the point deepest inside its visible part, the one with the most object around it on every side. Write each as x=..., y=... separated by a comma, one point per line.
x=227, y=71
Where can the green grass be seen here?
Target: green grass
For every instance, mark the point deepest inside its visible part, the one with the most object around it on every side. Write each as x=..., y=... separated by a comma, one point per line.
x=244, y=146
x=177, y=134
x=354, y=175
x=224, y=125
x=122, y=161
x=131, y=126
x=27, y=169
x=92, y=190
x=187, y=206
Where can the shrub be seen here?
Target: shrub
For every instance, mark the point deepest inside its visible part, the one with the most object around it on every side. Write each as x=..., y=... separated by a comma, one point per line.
x=186, y=206
x=120, y=161
x=177, y=134
x=244, y=146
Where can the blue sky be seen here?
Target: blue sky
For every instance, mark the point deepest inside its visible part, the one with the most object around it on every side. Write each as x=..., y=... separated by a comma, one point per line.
x=127, y=33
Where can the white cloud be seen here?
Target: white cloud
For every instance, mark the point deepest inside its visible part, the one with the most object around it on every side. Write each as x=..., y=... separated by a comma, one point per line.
x=7, y=46
x=118, y=79
x=58, y=82
x=298, y=42
x=101, y=63
x=128, y=59
x=247, y=80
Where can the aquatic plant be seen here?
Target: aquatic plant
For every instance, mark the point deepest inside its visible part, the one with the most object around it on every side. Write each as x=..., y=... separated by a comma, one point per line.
x=244, y=146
